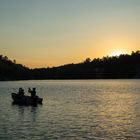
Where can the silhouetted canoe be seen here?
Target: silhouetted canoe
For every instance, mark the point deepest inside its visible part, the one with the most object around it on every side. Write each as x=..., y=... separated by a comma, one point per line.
x=26, y=100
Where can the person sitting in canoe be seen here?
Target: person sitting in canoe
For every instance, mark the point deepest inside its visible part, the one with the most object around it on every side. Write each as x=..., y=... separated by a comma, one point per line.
x=21, y=91
x=33, y=92
x=21, y=99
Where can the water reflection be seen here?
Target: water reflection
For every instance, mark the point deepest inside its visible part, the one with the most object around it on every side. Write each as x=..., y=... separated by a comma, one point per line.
x=73, y=110
x=117, y=115
x=26, y=113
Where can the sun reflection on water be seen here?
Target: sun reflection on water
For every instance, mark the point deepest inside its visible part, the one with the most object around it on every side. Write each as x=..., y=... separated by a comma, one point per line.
x=117, y=114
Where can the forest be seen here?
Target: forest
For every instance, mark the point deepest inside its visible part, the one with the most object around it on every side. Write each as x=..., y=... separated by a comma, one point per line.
x=125, y=66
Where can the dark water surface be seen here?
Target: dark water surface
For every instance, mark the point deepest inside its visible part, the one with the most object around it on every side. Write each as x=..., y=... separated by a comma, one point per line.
x=73, y=110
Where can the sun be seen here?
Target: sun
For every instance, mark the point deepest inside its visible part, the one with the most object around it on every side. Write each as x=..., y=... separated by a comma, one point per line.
x=117, y=53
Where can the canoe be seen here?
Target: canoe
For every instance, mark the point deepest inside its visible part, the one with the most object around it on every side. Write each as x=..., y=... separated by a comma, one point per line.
x=25, y=100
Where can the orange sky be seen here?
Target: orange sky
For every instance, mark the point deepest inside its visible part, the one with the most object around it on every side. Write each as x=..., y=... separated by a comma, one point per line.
x=51, y=33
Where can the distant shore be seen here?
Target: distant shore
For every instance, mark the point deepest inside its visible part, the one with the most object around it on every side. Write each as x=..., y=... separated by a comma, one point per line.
x=116, y=67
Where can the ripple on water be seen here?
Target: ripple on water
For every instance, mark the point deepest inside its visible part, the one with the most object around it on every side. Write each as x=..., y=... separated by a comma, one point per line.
x=89, y=109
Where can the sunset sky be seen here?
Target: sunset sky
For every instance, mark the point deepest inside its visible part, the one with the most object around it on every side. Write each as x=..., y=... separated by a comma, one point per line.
x=42, y=33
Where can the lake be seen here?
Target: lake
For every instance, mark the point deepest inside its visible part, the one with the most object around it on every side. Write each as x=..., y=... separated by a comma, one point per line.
x=73, y=110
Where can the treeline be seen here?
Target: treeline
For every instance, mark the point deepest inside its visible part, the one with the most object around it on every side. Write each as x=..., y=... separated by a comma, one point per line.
x=9, y=70
x=115, y=67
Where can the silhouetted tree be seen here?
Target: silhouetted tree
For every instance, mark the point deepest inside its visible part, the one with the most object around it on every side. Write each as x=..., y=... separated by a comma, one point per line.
x=123, y=66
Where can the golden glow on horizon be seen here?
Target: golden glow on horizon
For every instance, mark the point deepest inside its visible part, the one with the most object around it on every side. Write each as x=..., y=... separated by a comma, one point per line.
x=63, y=52
x=45, y=34
x=117, y=52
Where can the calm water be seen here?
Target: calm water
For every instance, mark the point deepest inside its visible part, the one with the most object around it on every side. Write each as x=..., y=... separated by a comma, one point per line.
x=73, y=110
